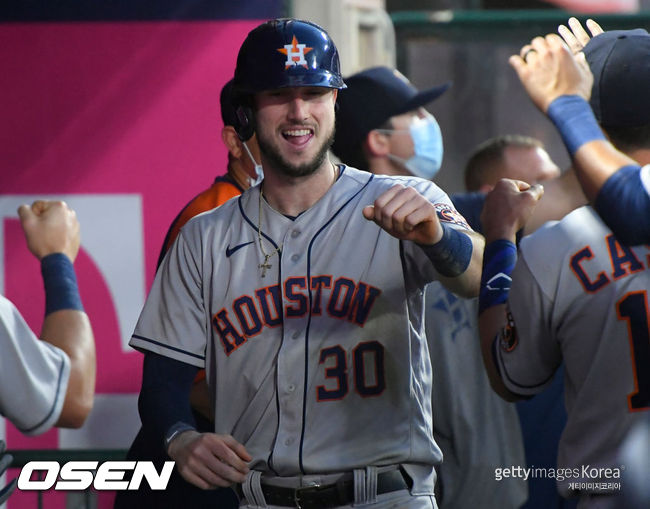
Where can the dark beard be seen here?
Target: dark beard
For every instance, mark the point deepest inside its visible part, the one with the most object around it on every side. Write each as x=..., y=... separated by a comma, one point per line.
x=277, y=161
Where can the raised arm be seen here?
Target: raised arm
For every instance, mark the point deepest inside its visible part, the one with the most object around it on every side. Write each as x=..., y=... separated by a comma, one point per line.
x=560, y=83
x=507, y=208
x=457, y=255
x=52, y=233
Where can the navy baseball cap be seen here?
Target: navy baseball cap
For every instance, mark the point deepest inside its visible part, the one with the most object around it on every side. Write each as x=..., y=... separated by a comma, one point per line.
x=620, y=63
x=372, y=97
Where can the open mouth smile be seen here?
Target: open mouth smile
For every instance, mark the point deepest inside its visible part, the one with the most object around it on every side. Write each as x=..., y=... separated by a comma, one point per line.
x=298, y=136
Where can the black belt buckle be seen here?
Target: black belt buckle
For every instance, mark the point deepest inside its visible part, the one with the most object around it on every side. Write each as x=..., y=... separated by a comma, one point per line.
x=301, y=489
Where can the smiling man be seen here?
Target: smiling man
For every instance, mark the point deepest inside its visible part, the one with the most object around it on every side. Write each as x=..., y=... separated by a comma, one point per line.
x=302, y=299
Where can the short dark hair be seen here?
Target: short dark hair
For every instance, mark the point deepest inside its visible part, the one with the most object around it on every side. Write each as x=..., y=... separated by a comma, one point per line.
x=356, y=155
x=488, y=156
x=627, y=139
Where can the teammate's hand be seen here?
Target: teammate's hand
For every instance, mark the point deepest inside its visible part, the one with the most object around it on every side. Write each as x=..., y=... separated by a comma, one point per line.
x=208, y=460
x=405, y=214
x=548, y=69
x=50, y=227
x=577, y=37
x=507, y=208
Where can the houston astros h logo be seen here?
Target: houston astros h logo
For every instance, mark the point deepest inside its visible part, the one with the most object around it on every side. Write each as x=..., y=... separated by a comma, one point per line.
x=295, y=53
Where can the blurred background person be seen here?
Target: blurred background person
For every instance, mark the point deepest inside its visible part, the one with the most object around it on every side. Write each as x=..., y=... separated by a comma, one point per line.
x=242, y=172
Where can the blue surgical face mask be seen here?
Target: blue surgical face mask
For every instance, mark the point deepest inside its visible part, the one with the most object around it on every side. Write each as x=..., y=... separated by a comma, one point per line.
x=259, y=172
x=428, y=150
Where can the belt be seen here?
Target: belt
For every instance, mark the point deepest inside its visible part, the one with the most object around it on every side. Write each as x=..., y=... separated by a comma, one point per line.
x=331, y=495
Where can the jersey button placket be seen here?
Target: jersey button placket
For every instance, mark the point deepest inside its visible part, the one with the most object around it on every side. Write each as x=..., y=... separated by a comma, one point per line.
x=290, y=377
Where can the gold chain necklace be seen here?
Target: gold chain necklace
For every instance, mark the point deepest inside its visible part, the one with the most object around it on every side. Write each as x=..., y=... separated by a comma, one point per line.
x=265, y=264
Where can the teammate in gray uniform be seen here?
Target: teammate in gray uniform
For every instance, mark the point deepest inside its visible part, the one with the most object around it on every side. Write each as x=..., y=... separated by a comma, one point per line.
x=314, y=355
x=48, y=381
x=578, y=294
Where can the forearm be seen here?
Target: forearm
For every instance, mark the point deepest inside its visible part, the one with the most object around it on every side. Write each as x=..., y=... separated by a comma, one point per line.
x=561, y=195
x=70, y=331
x=610, y=179
x=595, y=162
x=467, y=283
x=500, y=258
x=595, y=159
x=67, y=327
x=492, y=322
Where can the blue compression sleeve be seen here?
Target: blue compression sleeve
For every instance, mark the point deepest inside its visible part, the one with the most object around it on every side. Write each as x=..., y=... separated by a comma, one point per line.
x=165, y=395
x=452, y=254
x=499, y=259
x=624, y=205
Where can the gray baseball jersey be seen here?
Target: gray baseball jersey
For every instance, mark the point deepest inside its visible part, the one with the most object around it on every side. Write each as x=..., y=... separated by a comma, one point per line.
x=321, y=365
x=33, y=377
x=578, y=295
x=476, y=429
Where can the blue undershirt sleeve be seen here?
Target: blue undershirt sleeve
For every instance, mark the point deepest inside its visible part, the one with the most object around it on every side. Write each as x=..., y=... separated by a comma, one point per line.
x=624, y=205
x=165, y=395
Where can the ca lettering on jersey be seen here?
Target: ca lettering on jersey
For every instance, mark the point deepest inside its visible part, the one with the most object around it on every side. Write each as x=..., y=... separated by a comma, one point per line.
x=623, y=260
x=81, y=475
x=246, y=317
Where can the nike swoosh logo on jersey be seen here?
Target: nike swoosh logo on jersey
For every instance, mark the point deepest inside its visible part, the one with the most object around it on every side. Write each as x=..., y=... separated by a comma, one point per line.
x=230, y=251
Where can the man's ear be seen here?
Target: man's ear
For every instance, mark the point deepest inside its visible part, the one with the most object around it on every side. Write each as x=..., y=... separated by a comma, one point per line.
x=377, y=144
x=232, y=142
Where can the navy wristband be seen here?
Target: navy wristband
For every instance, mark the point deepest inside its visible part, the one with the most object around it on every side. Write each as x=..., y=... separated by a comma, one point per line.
x=60, y=281
x=452, y=254
x=575, y=121
x=499, y=259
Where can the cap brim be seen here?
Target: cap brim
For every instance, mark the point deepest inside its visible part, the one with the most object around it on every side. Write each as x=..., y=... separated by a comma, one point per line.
x=423, y=98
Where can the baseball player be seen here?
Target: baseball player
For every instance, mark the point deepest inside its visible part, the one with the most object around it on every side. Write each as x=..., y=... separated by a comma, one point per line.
x=577, y=294
x=48, y=381
x=302, y=299
x=609, y=172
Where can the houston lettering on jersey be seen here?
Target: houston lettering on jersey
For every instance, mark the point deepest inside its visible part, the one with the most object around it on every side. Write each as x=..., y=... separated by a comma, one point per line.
x=624, y=262
x=246, y=317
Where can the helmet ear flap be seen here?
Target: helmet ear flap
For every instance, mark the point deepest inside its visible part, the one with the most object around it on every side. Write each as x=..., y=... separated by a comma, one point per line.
x=246, y=122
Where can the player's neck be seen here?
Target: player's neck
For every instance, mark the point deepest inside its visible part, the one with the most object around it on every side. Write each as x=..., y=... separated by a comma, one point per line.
x=238, y=173
x=292, y=196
